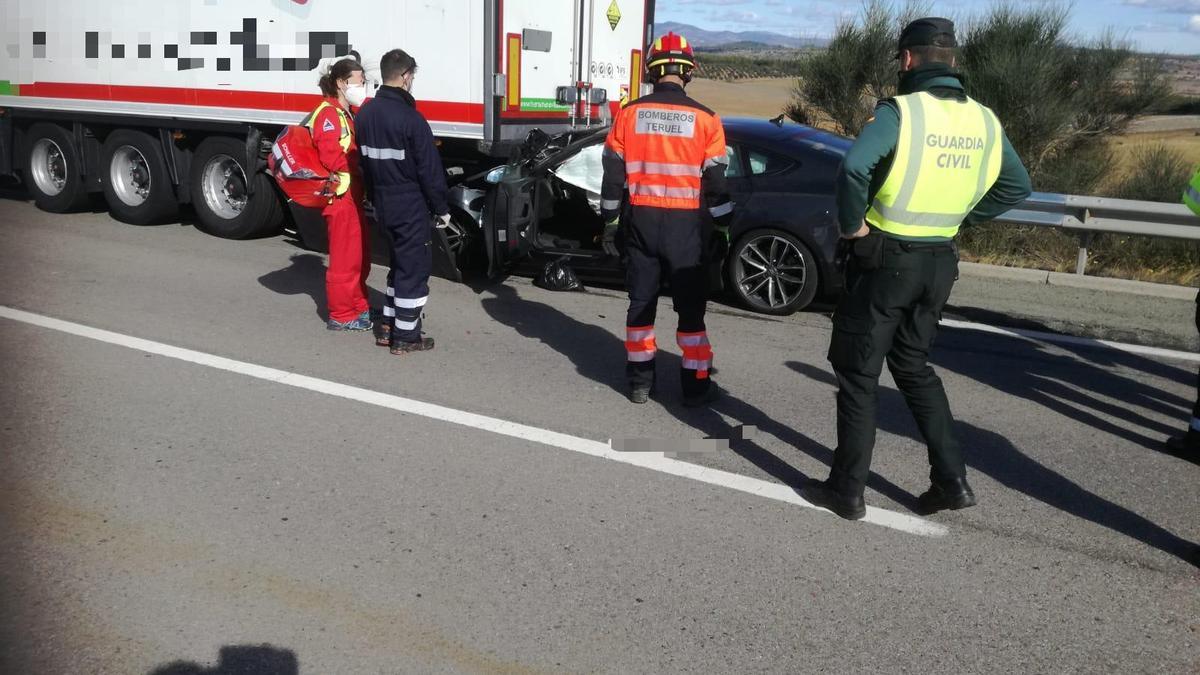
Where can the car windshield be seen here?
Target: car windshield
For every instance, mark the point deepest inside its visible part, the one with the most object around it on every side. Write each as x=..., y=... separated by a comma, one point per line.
x=584, y=169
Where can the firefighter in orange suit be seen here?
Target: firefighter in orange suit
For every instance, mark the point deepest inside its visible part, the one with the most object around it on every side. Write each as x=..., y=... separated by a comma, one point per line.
x=664, y=183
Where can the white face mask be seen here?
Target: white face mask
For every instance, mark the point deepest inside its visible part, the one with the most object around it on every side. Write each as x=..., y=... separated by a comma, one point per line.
x=356, y=94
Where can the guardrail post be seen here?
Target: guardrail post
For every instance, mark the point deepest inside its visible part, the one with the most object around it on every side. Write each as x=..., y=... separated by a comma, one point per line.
x=1085, y=240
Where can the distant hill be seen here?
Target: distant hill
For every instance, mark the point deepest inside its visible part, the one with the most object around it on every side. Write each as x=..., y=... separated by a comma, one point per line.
x=711, y=39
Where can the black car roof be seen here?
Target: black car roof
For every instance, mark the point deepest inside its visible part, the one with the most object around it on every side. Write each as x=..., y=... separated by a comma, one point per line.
x=767, y=133
x=745, y=129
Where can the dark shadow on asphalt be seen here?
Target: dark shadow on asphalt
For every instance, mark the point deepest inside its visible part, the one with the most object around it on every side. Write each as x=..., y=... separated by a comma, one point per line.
x=599, y=356
x=1096, y=354
x=305, y=275
x=240, y=660
x=995, y=456
x=1073, y=384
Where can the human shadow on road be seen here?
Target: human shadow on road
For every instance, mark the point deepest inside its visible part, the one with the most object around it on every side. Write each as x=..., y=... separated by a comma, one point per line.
x=995, y=456
x=240, y=660
x=599, y=356
x=1091, y=351
x=1074, y=384
x=305, y=275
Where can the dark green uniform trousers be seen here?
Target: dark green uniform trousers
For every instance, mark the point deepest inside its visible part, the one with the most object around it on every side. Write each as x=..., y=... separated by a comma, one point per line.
x=895, y=294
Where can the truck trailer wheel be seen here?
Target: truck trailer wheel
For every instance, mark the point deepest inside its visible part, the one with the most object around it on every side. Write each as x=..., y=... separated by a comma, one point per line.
x=137, y=184
x=224, y=206
x=53, y=171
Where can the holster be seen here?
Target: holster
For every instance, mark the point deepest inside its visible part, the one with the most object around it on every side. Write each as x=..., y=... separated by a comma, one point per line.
x=868, y=252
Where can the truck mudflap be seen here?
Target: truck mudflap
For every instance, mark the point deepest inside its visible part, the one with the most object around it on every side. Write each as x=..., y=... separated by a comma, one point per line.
x=8, y=150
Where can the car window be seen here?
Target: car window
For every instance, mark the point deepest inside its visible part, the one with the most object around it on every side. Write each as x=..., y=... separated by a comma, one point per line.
x=734, y=169
x=584, y=169
x=765, y=163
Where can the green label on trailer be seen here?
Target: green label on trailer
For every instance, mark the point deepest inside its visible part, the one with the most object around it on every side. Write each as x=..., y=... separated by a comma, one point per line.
x=546, y=104
x=9, y=89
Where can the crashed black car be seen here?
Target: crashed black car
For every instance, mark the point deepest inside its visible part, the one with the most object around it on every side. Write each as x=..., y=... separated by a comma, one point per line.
x=546, y=204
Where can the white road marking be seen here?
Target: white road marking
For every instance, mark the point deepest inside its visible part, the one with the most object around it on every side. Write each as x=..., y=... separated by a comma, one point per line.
x=652, y=461
x=1055, y=338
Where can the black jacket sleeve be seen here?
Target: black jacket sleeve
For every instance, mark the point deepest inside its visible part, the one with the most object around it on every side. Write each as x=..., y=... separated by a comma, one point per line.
x=713, y=186
x=612, y=185
x=430, y=172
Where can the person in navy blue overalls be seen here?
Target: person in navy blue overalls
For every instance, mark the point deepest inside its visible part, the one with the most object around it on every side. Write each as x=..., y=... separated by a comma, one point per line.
x=406, y=183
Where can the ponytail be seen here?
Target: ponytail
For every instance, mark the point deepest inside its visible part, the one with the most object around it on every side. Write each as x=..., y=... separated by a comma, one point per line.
x=339, y=71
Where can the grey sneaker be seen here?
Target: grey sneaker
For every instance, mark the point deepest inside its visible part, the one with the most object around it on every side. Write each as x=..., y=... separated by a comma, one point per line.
x=362, y=323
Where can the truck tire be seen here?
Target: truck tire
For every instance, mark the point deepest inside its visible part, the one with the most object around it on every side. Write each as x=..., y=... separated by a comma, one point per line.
x=224, y=206
x=136, y=182
x=53, y=170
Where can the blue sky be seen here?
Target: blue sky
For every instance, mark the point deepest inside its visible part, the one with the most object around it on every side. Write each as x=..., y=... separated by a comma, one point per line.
x=1153, y=25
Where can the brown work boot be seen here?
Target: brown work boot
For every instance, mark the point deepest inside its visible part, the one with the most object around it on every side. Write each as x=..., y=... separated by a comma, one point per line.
x=402, y=348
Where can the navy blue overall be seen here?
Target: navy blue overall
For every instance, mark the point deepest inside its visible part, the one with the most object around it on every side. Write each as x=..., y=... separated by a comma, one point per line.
x=407, y=185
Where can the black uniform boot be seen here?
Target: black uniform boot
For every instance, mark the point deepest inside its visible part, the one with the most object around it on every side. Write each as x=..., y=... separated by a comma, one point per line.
x=400, y=348
x=848, y=506
x=1187, y=444
x=953, y=495
x=640, y=393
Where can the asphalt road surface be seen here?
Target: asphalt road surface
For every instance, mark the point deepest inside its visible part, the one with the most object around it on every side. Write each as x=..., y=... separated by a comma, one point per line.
x=197, y=477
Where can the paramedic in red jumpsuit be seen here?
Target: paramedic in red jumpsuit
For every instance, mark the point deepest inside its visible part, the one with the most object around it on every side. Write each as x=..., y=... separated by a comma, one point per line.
x=349, y=240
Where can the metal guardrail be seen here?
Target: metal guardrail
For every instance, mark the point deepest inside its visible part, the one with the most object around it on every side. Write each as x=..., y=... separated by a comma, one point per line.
x=1089, y=216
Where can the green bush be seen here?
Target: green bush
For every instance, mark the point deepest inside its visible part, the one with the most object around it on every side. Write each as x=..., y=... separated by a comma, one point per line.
x=1156, y=174
x=1057, y=100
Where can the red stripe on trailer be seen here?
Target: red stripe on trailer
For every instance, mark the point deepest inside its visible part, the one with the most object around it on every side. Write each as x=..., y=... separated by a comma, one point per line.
x=447, y=111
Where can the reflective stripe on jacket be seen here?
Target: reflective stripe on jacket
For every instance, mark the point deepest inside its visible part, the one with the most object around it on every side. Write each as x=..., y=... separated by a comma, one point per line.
x=1191, y=194
x=948, y=156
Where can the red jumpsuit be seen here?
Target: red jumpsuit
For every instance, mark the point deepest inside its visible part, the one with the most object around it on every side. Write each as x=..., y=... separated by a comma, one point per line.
x=349, y=239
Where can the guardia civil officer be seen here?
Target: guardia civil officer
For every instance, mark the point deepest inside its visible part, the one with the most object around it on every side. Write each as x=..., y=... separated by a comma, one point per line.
x=930, y=160
x=668, y=151
x=1188, y=443
x=407, y=185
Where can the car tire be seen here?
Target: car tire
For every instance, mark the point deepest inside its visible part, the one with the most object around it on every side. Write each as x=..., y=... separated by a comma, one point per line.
x=466, y=242
x=772, y=272
x=136, y=182
x=53, y=169
x=219, y=188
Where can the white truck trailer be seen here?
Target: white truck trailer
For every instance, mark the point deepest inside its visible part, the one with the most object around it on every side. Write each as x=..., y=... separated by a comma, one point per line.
x=160, y=103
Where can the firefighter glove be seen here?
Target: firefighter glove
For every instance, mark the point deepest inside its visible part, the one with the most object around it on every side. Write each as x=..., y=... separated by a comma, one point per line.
x=609, y=239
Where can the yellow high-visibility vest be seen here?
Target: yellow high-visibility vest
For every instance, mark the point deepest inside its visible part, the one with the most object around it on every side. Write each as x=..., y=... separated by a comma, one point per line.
x=1191, y=193
x=947, y=157
x=343, y=176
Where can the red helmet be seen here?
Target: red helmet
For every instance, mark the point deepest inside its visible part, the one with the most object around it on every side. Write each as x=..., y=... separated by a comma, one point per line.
x=670, y=55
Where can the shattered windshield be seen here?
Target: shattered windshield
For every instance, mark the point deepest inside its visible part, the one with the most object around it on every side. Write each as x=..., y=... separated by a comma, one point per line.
x=585, y=171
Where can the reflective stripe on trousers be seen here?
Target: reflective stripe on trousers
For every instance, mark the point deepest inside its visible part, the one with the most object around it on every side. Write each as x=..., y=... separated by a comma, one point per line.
x=640, y=345
x=697, y=352
x=405, y=313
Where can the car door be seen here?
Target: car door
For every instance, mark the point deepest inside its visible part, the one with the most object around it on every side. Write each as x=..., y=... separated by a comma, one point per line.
x=738, y=180
x=509, y=219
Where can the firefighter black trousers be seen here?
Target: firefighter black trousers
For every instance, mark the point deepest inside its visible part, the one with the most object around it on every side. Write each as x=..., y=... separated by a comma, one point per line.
x=895, y=294
x=665, y=244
